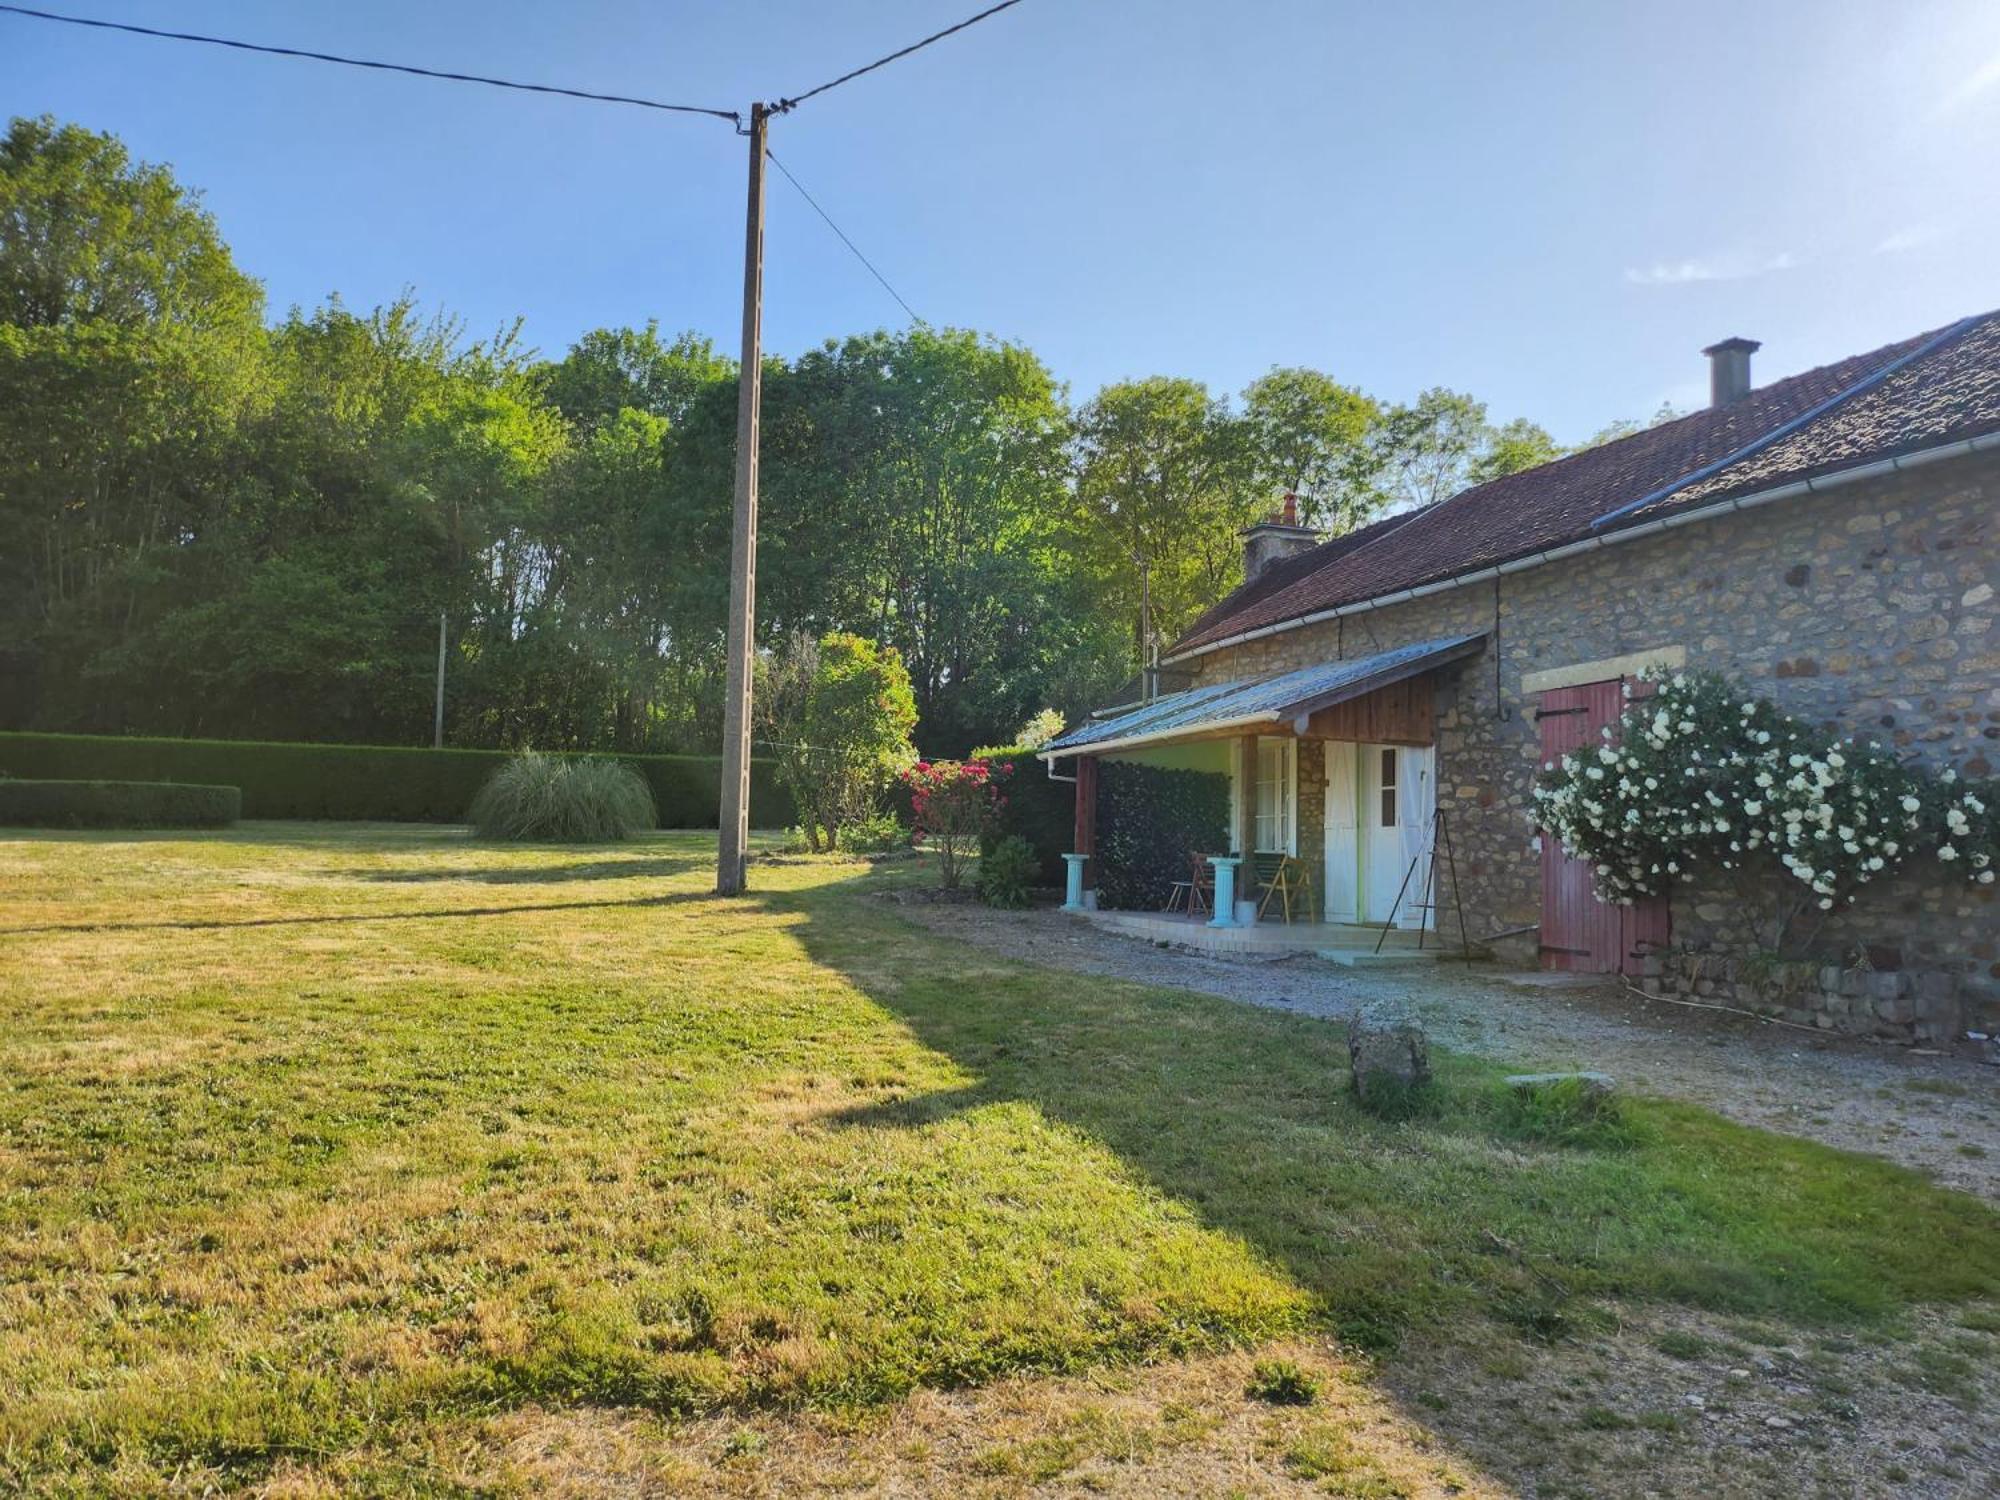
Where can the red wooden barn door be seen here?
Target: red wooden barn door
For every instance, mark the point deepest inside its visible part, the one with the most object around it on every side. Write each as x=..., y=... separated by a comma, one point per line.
x=1579, y=931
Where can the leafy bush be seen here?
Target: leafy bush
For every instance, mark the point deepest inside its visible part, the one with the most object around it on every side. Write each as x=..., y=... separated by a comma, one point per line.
x=1149, y=821
x=117, y=804
x=1007, y=872
x=953, y=803
x=841, y=711
x=1039, y=730
x=364, y=782
x=884, y=833
x=562, y=799
x=1038, y=809
x=1701, y=773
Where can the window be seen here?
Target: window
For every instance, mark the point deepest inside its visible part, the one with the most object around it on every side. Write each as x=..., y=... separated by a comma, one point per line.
x=1388, y=788
x=1274, y=796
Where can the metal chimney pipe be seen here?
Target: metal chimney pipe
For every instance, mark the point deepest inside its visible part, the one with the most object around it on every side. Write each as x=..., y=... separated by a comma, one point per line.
x=1729, y=370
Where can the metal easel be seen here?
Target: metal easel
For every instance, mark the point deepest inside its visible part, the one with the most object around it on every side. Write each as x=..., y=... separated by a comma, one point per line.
x=1440, y=840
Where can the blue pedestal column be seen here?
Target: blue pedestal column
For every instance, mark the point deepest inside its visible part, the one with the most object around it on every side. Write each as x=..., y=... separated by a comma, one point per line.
x=1073, y=890
x=1225, y=889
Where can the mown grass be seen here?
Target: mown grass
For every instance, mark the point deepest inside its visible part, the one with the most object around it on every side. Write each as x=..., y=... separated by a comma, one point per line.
x=312, y=1141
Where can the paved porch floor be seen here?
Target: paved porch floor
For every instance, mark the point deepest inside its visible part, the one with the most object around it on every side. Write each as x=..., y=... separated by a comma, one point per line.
x=1341, y=942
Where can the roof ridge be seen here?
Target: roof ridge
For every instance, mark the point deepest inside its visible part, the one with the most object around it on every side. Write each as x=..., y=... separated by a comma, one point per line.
x=1916, y=387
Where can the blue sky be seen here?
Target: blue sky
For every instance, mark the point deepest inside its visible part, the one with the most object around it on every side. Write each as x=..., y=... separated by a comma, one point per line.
x=1554, y=206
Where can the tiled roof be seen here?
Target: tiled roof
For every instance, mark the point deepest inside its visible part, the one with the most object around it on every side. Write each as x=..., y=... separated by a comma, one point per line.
x=1272, y=698
x=1945, y=392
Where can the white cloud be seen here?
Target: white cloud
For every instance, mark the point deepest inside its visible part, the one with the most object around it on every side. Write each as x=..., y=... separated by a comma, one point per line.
x=1975, y=83
x=1727, y=267
x=1910, y=237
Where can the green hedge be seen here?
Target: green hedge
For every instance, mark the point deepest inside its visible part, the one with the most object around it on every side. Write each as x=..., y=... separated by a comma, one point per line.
x=363, y=782
x=1039, y=810
x=1149, y=821
x=117, y=804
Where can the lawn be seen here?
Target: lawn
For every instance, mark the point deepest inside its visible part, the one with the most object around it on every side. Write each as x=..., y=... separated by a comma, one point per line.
x=315, y=1141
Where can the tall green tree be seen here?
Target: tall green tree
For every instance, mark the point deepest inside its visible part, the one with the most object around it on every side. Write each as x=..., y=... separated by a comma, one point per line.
x=611, y=370
x=1165, y=479
x=1309, y=436
x=130, y=352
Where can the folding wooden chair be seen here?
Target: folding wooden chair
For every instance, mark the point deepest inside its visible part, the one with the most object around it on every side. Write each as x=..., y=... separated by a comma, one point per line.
x=1283, y=879
x=1194, y=895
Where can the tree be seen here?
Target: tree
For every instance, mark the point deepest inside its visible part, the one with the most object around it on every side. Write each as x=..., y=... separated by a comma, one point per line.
x=89, y=236
x=1509, y=449
x=1626, y=426
x=1308, y=435
x=610, y=370
x=130, y=351
x=1163, y=485
x=840, y=711
x=1426, y=449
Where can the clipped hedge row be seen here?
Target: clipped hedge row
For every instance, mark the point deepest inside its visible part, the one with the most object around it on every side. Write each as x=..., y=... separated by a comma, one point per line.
x=1149, y=821
x=363, y=782
x=117, y=804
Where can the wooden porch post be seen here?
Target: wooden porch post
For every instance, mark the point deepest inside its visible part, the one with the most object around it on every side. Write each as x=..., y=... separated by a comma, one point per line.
x=1246, y=808
x=1085, y=837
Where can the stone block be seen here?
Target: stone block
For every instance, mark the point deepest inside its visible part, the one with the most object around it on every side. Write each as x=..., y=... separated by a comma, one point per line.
x=1387, y=1046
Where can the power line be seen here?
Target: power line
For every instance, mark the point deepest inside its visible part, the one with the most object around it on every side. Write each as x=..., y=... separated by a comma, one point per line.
x=785, y=106
x=772, y=157
x=730, y=115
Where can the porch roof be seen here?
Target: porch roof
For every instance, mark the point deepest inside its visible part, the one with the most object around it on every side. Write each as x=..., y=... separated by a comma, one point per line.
x=1249, y=702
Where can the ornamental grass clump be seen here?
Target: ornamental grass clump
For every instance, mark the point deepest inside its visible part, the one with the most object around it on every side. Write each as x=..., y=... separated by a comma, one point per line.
x=566, y=799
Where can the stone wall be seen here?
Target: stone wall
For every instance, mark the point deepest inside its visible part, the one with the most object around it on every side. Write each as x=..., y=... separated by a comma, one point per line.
x=1870, y=608
x=1889, y=1005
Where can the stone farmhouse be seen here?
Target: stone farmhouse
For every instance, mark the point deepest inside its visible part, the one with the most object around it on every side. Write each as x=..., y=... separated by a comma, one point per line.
x=1832, y=539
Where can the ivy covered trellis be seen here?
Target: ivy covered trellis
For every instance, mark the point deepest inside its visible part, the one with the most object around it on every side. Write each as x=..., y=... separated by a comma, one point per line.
x=1699, y=774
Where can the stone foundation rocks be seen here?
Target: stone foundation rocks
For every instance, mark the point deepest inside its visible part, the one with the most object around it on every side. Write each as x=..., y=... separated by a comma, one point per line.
x=1892, y=1005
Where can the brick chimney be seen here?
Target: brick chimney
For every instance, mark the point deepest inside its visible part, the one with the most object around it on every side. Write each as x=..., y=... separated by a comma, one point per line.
x=1278, y=536
x=1729, y=370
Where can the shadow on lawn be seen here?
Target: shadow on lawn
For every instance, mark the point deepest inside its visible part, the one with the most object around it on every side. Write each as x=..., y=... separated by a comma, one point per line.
x=1244, y=1117
x=596, y=869
x=200, y=924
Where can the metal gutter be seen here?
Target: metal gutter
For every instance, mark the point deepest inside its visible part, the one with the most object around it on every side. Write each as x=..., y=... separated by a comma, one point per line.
x=1962, y=448
x=1096, y=747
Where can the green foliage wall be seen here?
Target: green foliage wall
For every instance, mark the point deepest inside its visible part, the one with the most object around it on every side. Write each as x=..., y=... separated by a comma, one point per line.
x=1148, y=822
x=117, y=804
x=1039, y=810
x=363, y=782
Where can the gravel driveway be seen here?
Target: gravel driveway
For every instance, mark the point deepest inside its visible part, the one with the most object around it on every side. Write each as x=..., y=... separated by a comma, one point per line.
x=1940, y=1115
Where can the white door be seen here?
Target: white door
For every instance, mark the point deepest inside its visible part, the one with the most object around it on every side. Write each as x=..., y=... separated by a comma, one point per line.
x=1343, y=834
x=1416, y=791
x=1383, y=861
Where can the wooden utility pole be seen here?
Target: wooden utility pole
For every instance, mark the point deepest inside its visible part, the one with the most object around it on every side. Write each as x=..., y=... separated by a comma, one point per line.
x=734, y=822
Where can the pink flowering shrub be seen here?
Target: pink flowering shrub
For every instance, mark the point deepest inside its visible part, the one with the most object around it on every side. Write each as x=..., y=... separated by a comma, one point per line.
x=952, y=803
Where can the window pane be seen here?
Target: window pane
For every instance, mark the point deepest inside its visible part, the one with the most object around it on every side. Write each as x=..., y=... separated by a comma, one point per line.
x=1388, y=807
x=1388, y=768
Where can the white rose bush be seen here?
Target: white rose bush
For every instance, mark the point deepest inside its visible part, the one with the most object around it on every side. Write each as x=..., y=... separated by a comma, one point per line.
x=1698, y=774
